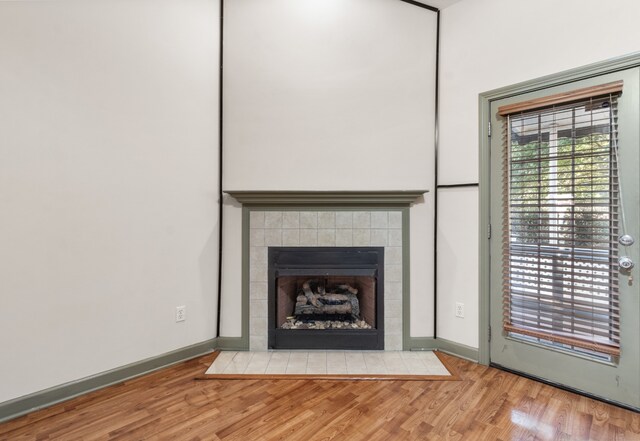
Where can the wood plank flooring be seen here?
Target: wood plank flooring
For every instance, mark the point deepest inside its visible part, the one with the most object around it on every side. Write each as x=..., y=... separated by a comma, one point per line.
x=171, y=404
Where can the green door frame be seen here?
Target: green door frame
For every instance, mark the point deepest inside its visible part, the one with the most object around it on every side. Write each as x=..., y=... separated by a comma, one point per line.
x=485, y=100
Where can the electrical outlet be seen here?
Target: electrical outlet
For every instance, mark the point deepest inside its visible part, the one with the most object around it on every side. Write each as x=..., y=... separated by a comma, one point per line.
x=181, y=313
x=459, y=309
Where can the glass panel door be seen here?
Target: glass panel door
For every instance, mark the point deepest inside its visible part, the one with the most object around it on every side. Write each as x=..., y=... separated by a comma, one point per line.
x=562, y=307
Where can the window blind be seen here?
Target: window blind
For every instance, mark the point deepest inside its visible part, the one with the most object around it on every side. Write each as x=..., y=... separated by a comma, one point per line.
x=560, y=226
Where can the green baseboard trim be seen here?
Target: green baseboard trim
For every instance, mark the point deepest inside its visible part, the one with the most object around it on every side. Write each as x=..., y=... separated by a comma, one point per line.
x=421, y=344
x=38, y=400
x=458, y=349
x=441, y=344
x=232, y=343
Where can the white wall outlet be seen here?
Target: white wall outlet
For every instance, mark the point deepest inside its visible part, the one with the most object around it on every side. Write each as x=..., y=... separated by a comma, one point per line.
x=459, y=309
x=181, y=313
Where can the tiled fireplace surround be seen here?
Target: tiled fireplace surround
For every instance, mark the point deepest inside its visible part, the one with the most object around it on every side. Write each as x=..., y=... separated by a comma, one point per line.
x=326, y=227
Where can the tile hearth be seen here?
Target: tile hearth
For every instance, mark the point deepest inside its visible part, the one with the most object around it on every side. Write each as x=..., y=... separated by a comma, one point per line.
x=328, y=363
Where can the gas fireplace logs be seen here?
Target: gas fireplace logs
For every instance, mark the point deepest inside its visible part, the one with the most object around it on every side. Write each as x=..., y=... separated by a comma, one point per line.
x=314, y=299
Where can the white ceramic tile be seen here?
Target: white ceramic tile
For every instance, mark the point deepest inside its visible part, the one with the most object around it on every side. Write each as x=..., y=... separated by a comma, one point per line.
x=375, y=363
x=273, y=219
x=256, y=237
x=258, y=363
x=434, y=365
x=257, y=326
x=415, y=362
x=416, y=367
x=258, y=342
x=290, y=238
x=412, y=355
x=273, y=237
x=297, y=357
x=392, y=308
x=361, y=237
x=239, y=363
x=280, y=356
x=395, y=219
x=308, y=219
x=393, y=255
x=276, y=365
x=256, y=219
x=326, y=219
x=258, y=290
x=344, y=237
x=379, y=237
x=393, y=341
x=395, y=238
x=258, y=308
x=355, y=363
x=391, y=355
x=393, y=324
x=317, y=357
x=328, y=362
x=392, y=290
x=317, y=363
x=297, y=363
x=395, y=365
x=336, y=363
x=257, y=255
x=393, y=273
x=380, y=219
x=308, y=237
x=326, y=237
x=221, y=362
x=278, y=362
x=258, y=273
x=291, y=219
x=361, y=219
x=344, y=219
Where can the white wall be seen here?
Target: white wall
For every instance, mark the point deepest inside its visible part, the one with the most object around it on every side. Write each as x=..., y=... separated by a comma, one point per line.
x=108, y=184
x=330, y=95
x=487, y=44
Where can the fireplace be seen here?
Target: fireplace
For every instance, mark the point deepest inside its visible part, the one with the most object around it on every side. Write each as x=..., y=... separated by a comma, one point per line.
x=326, y=298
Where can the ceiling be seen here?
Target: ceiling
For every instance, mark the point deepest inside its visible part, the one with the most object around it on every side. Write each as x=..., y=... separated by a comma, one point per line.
x=440, y=4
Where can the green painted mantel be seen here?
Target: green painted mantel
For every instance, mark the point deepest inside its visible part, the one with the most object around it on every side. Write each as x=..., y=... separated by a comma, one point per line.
x=271, y=197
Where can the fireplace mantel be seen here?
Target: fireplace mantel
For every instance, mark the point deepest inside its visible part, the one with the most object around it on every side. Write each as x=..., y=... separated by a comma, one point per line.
x=326, y=218
x=271, y=197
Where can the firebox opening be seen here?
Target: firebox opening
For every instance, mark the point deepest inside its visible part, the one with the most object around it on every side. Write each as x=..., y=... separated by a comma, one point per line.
x=326, y=298
x=333, y=302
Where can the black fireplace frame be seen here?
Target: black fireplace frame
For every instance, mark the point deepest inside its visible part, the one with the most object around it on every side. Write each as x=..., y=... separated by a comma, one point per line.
x=325, y=261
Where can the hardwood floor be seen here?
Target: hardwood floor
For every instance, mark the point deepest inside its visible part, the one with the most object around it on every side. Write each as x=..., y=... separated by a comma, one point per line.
x=486, y=404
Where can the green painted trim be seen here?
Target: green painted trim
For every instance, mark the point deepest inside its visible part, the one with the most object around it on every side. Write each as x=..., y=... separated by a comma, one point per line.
x=245, y=340
x=484, y=102
x=406, y=280
x=20, y=406
x=457, y=349
x=421, y=344
x=441, y=344
x=232, y=344
x=326, y=197
x=312, y=207
x=484, y=255
x=567, y=76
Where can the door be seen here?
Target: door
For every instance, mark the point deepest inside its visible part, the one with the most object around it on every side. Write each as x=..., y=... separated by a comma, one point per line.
x=564, y=190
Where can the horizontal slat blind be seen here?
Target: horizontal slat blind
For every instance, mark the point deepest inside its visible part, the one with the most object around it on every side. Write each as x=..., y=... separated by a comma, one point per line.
x=562, y=98
x=560, y=227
